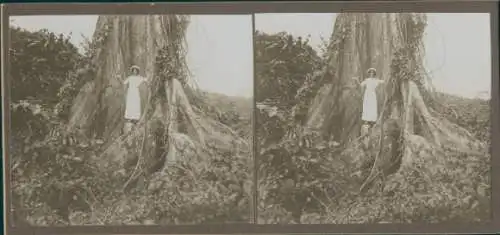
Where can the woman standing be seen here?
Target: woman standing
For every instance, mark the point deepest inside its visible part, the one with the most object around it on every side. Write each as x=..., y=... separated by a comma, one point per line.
x=370, y=112
x=133, y=110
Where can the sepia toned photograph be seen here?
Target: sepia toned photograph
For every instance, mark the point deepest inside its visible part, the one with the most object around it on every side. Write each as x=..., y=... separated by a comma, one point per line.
x=131, y=119
x=365, y=118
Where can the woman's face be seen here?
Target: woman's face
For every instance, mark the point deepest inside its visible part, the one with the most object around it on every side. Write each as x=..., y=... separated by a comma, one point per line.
x=135, y=72
x=371, y=74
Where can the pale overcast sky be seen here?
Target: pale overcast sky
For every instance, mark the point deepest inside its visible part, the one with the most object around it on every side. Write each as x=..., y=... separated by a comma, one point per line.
x=458, y=48
x=220, y=52
x=220, y=47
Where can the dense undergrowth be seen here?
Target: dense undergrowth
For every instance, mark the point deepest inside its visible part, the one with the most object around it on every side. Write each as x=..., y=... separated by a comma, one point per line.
x=305, y=179
x=55, y=178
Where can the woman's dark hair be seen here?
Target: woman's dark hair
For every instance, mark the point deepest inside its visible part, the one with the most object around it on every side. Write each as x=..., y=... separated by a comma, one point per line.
x=372, y=70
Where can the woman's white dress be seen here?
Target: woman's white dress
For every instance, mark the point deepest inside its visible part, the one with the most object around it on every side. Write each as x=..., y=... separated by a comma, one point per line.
x=133, y=100
x=370, y=112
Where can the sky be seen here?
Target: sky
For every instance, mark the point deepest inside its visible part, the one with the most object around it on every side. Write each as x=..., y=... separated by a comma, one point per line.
x=458, y=48
x=220, y=47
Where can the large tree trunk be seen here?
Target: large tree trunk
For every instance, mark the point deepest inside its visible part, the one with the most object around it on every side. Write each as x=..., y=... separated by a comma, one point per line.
x=122, y=41
x=359, y=42
x=392, y=44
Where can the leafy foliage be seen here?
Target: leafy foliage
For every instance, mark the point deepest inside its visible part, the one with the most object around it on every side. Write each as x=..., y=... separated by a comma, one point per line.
x=41, y=62
x=472, y=114
x=282, y=64
x=45, y=172
x=288, y=174
x=37, y=75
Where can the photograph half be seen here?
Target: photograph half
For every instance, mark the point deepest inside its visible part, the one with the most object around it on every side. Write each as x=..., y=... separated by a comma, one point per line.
x=369, y=118
x=131, y=119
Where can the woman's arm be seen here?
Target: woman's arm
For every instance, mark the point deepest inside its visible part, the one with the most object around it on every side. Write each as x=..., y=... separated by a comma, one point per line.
x=126, y=84
x=126, y=81
x=356, y=80
x=363, y=83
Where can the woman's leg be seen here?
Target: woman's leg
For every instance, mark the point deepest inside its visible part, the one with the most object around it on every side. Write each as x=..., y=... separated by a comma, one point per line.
x=365, y=128
x=368, y=126
x=126, y=127
x=129, y=126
